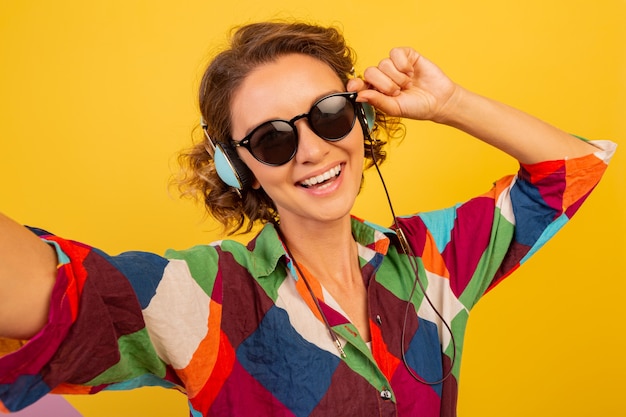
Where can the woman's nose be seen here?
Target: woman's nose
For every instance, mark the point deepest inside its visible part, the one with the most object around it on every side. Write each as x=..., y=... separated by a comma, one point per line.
x=311, y=147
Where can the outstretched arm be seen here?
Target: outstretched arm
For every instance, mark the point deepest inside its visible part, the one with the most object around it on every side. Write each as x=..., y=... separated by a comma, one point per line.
x=27, y=275
x=406, y=84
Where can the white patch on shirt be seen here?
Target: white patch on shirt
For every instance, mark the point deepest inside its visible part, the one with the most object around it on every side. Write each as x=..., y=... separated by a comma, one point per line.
x=178, y=315
x=605, y=151
x=504, y=203
x=302, y=318
x=440, y=294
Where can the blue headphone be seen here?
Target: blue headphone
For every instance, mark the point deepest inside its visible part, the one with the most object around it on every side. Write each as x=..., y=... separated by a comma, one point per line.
x=233, y=172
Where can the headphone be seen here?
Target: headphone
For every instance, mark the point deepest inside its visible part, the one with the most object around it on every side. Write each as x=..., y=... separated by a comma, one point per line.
x=233, y=172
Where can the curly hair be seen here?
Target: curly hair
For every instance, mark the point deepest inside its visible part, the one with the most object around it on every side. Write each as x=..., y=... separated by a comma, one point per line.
x=250, y=46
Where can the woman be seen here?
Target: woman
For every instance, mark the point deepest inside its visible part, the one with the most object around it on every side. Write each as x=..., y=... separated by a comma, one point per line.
x=321, y=313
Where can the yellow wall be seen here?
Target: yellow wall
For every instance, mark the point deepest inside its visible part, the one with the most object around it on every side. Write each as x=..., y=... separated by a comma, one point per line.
x=97, y=97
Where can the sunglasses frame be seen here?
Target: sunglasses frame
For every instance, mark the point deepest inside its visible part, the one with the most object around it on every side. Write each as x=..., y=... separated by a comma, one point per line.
x=245, y=142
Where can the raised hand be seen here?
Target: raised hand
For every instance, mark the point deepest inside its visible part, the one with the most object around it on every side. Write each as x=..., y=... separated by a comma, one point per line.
x=406, y=84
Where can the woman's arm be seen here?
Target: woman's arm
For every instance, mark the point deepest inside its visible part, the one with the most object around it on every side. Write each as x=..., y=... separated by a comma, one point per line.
x=85, y=309
x=526, y=138
x=408, y=85
x=27, y=275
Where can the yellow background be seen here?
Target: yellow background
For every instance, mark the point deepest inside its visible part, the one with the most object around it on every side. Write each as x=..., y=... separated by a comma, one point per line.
x=98, y=96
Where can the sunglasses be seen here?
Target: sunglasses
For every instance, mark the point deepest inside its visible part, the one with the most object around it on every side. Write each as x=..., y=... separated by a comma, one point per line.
x=275, y=142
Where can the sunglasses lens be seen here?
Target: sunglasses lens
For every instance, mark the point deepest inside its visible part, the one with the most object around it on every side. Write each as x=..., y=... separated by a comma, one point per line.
x=333, y=117
x=273, y=142
x=276, y=142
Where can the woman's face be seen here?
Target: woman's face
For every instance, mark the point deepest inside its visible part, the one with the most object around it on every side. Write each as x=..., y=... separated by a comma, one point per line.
x=283, y=89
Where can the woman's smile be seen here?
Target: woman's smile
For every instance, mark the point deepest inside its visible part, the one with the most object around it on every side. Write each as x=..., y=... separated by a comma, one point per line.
x=322, y=180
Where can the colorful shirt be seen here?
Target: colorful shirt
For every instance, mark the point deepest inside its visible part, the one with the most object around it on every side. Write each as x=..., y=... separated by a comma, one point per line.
x=235, y=328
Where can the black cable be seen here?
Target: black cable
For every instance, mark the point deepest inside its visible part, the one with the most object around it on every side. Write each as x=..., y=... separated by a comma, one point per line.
x=406, y=248
x=333, y=335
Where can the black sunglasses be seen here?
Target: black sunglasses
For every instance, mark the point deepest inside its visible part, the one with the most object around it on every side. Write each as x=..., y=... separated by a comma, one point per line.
x=275, y=142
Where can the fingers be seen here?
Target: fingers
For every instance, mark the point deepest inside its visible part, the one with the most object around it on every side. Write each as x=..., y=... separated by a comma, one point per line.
x=405, y=84
x=367, y=92
x=404, y=59
x=400, y=85
x=356, y=84
x=395, y=73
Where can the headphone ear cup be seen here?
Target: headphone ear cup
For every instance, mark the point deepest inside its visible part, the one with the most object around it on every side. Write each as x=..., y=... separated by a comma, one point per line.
x=230, y=168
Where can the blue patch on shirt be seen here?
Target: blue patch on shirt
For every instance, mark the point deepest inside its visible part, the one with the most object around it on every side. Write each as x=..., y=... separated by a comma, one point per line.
x=143, y=270
x=285, y=363
x=424, y=355
x=146, y=380
x=532, y=215
x=24, y=391
x=440, y=224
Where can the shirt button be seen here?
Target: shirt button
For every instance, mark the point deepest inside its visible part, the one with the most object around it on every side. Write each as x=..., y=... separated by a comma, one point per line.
x=379, y=320
x=385, y=394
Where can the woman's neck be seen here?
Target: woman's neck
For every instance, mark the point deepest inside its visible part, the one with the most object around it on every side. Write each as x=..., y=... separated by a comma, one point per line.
x=326, y=249
x=312, y=242
x=330, y=254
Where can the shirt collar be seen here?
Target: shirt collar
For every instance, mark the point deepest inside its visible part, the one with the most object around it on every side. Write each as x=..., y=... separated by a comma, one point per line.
x=267, y=248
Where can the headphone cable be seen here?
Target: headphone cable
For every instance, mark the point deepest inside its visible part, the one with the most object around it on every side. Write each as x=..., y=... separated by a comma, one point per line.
x=406, y=248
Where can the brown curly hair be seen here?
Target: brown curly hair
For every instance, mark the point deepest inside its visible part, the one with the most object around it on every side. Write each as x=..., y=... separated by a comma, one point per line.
x=250, y=46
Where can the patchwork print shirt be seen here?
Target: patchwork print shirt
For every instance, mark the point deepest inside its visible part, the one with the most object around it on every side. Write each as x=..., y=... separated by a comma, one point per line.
x=236, y=329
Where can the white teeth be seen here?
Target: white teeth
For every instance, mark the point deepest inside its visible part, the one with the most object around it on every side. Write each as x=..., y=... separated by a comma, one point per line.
x=333, y=172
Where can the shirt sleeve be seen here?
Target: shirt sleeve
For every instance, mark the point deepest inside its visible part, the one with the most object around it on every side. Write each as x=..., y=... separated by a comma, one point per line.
x=478, y=243
x=96, y=336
